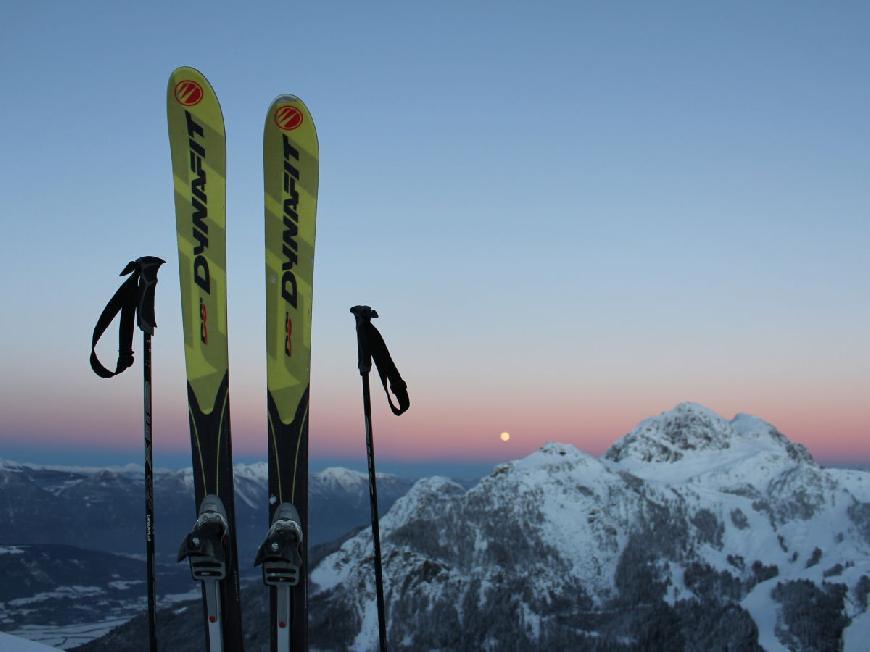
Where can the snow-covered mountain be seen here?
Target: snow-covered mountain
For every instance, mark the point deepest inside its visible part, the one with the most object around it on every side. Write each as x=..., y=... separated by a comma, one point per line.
x=692, y=532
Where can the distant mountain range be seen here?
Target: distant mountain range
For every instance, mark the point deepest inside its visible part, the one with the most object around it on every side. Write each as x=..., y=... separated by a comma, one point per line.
x=103, y=509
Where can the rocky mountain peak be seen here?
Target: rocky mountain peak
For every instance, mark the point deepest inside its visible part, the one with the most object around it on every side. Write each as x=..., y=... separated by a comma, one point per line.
x=670, y=435
x=690, y=430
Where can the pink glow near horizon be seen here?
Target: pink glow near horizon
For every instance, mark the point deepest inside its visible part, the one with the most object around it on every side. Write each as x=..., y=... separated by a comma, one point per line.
x=469, y=431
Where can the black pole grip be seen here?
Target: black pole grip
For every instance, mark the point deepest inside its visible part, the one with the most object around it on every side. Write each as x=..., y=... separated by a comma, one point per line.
x=136, y=295
x=363, y=316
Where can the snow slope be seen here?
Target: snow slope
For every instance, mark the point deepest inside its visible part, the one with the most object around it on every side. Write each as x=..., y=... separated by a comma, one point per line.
x=9, y=643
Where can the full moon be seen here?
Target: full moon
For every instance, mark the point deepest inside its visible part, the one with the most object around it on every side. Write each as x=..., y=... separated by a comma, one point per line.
x=505, y=436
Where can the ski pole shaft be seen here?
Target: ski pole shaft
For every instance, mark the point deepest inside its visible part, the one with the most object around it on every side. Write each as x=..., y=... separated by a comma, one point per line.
x=149, y=497
x=363, y=316
x=373, y=499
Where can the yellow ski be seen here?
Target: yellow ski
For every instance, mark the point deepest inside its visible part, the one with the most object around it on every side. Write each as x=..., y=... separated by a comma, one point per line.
x=290, y=173
x=198, y=144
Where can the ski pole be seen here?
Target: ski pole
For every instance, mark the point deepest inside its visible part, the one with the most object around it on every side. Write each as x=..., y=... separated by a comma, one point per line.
x=136, y=297
x=370, y=345
x=149, y=495
x=364, y=314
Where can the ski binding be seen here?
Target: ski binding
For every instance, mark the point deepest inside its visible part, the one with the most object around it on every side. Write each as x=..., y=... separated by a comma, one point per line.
x=281, y=558
x=205, y=549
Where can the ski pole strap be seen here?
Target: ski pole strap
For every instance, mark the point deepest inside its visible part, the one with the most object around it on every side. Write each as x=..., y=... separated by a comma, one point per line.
x=134, y=297
x=387, y=371
x=372, y=347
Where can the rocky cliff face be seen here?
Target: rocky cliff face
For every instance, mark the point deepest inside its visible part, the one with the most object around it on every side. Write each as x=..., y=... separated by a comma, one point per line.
x=692, y=532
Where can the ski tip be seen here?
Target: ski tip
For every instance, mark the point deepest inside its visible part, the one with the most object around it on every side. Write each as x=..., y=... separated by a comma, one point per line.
x=190, y=89
x=288, y=97
x=186, y=71
x=287, y=113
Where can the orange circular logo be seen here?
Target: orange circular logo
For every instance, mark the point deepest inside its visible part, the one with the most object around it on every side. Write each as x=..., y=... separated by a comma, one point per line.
x=288, y=117
x=188, y=92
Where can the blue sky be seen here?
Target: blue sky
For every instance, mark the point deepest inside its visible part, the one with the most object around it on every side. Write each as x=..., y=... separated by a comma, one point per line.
x=570, y=215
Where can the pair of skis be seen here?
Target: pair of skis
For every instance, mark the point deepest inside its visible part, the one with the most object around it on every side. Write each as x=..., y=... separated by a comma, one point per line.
x=290, y=167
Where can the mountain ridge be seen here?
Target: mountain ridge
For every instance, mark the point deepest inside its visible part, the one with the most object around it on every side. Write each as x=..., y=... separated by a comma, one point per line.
x=687, y=514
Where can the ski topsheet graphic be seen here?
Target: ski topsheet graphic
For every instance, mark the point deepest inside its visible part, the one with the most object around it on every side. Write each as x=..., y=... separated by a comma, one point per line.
x=291, y=174
x=198, y=144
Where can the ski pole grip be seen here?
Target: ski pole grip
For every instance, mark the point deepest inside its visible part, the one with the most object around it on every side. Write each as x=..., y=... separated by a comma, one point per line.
x=134, y=299
x=363, y=316
x=148, y=267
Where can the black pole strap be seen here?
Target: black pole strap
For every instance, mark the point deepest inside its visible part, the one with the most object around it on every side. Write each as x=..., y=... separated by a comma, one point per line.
x=134, y=297
x=371, y=346
x=387, y=371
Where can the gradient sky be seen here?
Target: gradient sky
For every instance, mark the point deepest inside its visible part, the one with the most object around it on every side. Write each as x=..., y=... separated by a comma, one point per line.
x=570, y=215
